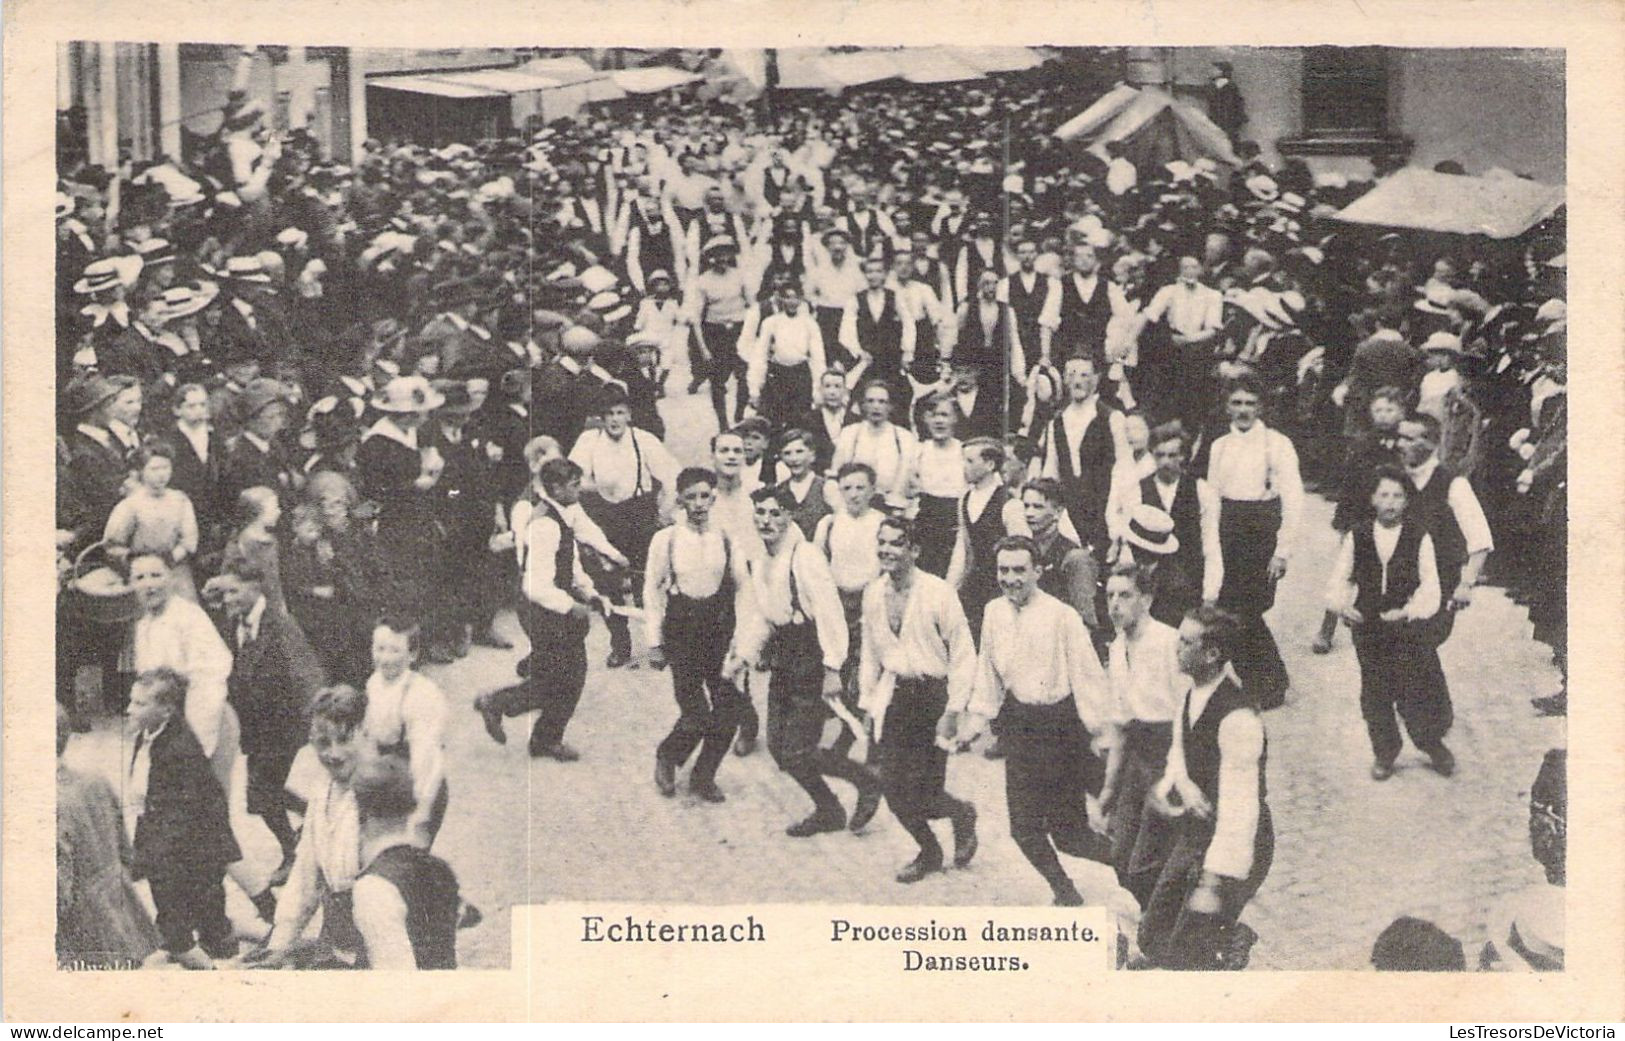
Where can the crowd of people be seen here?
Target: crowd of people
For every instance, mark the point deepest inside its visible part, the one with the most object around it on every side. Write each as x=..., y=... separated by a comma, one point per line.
x=1006, y=455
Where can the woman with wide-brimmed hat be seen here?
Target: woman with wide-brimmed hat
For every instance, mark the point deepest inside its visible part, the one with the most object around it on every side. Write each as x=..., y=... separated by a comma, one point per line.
x=396, y=471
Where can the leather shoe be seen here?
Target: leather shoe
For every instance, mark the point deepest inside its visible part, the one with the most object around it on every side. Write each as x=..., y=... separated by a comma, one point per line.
x=1381, y=771
x=995, y=750
x=817, y=824
x=468, y=916
x=965, y=842
x=1551, y=705
x=616, y=659
x=665, y=777
x=744, y=744
x=1322, y=644
x=1068, y=897
x=489, y=638
x=492, y=719
x=707, y=791
x=561, y=751
x=917, y=869
x=1442, y=761
x=867, y=806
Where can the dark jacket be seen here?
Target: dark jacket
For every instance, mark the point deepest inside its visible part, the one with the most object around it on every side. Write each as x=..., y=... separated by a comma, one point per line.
x=185, y=828
x=273, y=678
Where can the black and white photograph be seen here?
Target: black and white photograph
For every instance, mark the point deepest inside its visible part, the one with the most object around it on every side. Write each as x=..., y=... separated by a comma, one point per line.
x=1124, y=477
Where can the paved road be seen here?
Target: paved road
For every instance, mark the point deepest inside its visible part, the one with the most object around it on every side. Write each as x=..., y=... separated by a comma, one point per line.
x=1351, y=855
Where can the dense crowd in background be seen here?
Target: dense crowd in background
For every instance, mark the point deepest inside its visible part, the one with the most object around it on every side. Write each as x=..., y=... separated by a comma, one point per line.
x=318, y=410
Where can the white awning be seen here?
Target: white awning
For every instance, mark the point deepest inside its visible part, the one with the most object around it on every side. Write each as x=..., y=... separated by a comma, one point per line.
x=508, y=81
x=441, y=88
x=651, y=79
x=1501, y=208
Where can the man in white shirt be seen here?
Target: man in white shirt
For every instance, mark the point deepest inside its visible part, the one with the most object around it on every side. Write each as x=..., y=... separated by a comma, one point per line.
x=785, y=361
x=1254, y=472
x=1039, y=674
x=1148, y=690
x=886, y=447
x=691, y=589
x=628, y=474
x=918, y=667
x=1214, y=787
x=1444, y=502
x=846, y=538
x=795, y=628
x=1172, y=371
x=554, y=614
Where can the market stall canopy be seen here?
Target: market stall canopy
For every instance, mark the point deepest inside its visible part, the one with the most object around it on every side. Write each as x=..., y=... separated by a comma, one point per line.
x=592, y=84
x=1498, y=207
x=997, y=59
x=934, y=65
x=1151, y=126
x=436, y=86
x=651, y=79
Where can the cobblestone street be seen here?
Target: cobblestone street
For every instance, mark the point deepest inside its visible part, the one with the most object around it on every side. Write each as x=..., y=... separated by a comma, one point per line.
x=1351, y=854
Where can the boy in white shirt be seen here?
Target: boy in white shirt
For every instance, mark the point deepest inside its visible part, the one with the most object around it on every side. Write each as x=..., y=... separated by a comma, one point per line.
x=847, y=539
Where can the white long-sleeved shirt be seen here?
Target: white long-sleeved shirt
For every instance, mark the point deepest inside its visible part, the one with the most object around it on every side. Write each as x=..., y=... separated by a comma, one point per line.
x=1241, y=744
x=939, y=470
x=1422, y=604
x=542, y=534
x=852, y=546
x=933, y=642
x=771, y=605
x=1144, y=675
x=619, y=468
x=327, y=859
x=587, y=531
x=412, y=708
x=829, y=284
x=693, y=563
x=1256, y=465
x=1040, y=654
x=889, y=450
x=785, y=339
x=1191, y=310
x=181, y=637
x=1475, y=529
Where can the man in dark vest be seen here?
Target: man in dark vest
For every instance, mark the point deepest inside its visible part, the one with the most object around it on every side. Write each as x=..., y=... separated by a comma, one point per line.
x=1386, y=585
x=804, y=483
x=1029, y=294
x=986, y=515
x=1443, y=501
x=554, y=615
x=1224, y=847
x=983, y=252
x=1065, y=571
x=1196, y=566
x=1082, y=308
x=874, y=325
x=1085, y=440
x=989, y=350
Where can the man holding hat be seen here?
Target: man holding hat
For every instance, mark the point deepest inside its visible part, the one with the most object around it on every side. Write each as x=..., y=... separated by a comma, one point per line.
x=1190, y=565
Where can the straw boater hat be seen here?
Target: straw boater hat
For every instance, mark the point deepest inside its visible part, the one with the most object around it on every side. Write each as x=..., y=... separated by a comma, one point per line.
x=109, y=273
x=241, y=269
x=1152, y=530
x=407, y=394
x=1443, y=341
x=183, y=300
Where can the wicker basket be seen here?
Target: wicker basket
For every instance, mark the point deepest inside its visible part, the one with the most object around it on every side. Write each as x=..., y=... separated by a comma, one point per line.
x=98, y=594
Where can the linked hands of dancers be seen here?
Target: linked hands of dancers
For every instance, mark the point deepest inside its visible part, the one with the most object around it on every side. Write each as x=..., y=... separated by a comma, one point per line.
x=1175, y=796
x=1277, y=568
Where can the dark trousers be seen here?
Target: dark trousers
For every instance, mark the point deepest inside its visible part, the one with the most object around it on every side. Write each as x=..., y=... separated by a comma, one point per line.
x=1141, y=840
x=1173, y=936
x=1247, y=537
x=913, y=768
x=723, y=343
x=1400, y=671
x=829, y=325
x=557, y=673
x=795, y=718
x=786, y=393
x=1049, y=770
x=192, y=910
x=696, y=640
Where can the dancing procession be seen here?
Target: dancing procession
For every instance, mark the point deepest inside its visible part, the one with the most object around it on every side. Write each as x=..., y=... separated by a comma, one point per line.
x=893, y=494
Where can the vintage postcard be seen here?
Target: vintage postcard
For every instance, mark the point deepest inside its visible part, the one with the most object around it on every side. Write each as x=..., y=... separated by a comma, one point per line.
x=750, y=511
